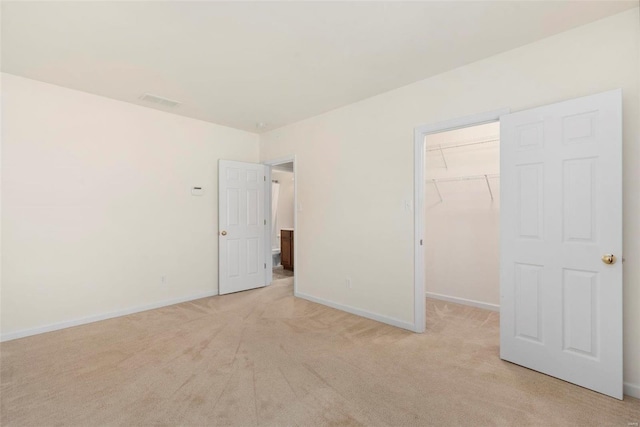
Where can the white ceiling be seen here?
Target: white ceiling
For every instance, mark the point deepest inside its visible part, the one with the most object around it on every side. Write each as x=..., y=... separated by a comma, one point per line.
x=239, y=63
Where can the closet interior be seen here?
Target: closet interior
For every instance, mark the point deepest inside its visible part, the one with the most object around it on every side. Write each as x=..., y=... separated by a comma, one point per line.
x=462, y=208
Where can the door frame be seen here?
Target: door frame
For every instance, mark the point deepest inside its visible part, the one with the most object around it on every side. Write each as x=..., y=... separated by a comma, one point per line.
x=291, y=158
x=420, y=132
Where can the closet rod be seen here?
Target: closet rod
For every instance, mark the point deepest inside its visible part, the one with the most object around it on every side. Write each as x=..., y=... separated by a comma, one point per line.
x=465, y=144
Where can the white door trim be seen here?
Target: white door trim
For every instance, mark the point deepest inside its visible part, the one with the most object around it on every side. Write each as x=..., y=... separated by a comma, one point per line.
x=291, y=158
x=418, y=199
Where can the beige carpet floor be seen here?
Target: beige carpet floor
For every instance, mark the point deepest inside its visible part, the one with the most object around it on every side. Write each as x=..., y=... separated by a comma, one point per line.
x=263, y=357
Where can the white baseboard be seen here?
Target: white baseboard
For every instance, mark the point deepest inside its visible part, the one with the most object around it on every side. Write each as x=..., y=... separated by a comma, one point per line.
x=358, y=312
x=98, y=317
x=463, y=301
x=632, y=390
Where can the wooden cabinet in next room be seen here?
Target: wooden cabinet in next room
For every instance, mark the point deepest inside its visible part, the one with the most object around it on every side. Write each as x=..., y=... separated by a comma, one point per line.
x=286, y=248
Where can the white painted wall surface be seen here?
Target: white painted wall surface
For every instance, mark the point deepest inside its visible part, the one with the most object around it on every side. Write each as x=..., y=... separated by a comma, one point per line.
x=462, y=231
x=285, y=200
x=97, y=204
x=355, y=165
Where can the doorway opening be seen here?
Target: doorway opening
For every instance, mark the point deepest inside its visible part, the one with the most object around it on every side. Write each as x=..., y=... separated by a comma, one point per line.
x=462, y=216
x=281, y=211
x=282, y=225
x=420, y=190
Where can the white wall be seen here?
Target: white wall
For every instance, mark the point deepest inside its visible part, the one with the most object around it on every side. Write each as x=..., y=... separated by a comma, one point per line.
x=285, y=200
x=462, y=230
x=96, y=204
x=354, y=165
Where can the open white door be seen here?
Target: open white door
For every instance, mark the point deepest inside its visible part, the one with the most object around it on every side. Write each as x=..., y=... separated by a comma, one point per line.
x=561, y=215
x=242, y=225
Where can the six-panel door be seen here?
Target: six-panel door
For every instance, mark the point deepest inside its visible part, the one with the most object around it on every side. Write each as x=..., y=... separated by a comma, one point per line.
x=561, y=211
x=242, y=225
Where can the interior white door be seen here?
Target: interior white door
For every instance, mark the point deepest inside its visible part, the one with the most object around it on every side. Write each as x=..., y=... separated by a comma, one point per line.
x=242, y=225
x=561, y=212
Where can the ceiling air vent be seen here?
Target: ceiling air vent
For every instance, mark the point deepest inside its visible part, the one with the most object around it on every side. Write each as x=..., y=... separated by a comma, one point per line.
x=159, y=100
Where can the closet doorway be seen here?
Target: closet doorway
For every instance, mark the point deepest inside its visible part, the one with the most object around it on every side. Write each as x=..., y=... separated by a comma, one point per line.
x=462, y=215
x=421, y=177
x=560, y=230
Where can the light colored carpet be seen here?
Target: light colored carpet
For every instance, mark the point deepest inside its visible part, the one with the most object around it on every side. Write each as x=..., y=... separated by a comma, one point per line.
x=263, y=357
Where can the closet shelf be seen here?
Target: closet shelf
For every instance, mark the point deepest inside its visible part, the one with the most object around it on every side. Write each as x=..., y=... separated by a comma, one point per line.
x=441, y=149
x=464, y=144
x=485, y=177
x=464, y=178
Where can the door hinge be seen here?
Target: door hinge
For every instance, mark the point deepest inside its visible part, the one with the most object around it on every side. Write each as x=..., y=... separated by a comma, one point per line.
x=265, y=265
x=264, y=178
x=265, y=222
x=420, y=242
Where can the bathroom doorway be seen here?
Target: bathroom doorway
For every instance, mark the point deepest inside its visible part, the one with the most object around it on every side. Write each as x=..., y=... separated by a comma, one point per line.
x=282, y=226
x=281, y=209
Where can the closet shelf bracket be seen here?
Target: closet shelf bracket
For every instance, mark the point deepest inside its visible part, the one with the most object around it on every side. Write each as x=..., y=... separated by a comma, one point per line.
x=435, y=184
x=486, y=179
x=444, y=160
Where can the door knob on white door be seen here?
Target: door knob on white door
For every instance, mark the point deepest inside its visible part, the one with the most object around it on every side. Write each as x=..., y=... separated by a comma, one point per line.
x=224, y=233
x=609, y=258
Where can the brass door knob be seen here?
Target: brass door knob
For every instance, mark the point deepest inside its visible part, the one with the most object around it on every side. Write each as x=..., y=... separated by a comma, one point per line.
x=609, y=258
x=224, y=233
